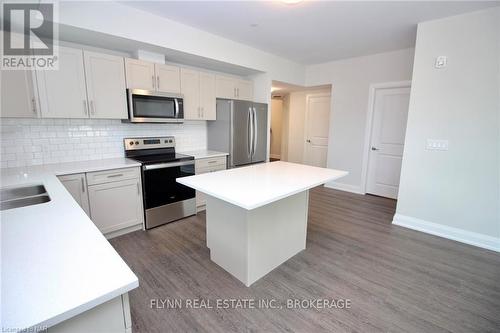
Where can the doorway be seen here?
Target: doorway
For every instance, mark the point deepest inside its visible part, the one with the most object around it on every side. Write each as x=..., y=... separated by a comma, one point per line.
x=317, y=122
x=276, y=126
x=389, y=114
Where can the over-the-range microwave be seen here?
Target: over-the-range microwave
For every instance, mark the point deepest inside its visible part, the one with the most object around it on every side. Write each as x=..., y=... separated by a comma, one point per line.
x=147, y=106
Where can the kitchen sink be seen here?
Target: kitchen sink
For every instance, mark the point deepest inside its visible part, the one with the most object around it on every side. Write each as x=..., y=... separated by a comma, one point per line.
x=16, y=197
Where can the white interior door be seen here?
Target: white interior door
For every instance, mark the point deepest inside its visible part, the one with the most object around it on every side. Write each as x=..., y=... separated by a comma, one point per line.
x=316, y=129
x=387, y=141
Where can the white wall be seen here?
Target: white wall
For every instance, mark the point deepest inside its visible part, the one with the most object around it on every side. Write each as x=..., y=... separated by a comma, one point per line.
x=296, y=122
x=350, y=80
x=455, y=193
x=40, y=141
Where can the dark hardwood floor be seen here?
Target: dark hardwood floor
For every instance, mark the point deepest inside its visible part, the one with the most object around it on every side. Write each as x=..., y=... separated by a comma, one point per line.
x=397, y=280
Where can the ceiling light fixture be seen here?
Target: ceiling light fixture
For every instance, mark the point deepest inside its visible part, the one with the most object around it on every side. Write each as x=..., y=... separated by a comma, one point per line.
x=291, y=2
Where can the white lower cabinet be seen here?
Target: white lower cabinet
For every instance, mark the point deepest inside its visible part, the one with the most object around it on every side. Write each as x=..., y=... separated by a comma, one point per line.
x=116, y=205
x=76, y=185
x=112, y=316
x=112, y=198
x=205, y=165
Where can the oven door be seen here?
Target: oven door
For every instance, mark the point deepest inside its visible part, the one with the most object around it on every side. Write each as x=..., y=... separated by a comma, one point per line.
x=154, y=107
x=165, y=200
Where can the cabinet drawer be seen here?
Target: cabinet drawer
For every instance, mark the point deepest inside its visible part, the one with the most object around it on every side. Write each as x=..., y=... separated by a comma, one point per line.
x=211, y=162
x=101, y=177
x=211, y=168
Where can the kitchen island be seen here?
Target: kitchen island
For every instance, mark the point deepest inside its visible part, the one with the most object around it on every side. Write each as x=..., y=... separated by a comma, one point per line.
x=257, y=215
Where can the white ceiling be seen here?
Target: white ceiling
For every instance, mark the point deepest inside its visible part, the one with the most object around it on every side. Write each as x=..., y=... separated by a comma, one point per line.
x=312, y=31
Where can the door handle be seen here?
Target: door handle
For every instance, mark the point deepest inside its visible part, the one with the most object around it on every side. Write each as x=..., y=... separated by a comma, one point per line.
x=308, y=141
x=254, y=129
x=249, y=135
x=375, y=148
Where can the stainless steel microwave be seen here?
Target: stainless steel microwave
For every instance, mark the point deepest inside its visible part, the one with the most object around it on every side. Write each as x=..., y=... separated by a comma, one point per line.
x=146, y=106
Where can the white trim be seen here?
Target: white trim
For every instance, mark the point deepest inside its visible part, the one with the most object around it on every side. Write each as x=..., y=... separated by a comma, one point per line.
x=460, y=235
x=344, y=187
x=275, y=156
x=369, y=124
x=306, y=117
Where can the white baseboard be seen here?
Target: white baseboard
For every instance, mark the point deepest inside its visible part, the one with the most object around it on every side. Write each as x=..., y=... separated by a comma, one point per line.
x=344, y=187
x=459, y=235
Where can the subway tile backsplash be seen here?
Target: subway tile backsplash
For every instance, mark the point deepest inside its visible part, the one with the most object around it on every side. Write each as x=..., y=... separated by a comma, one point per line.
x=27, y=142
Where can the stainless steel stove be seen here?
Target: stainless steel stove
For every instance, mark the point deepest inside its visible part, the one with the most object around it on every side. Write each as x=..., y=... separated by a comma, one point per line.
x=165, y=200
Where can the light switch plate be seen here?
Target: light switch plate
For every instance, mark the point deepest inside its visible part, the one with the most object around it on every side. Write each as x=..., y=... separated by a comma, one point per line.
x=433, y=144
x=441, y=62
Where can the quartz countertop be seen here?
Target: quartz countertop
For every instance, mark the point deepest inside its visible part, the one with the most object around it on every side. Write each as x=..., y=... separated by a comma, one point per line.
x=257, y=185
x=56, y=264
x=203, y=153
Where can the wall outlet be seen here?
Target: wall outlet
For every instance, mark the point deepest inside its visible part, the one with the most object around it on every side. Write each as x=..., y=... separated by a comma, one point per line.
x=433, y=144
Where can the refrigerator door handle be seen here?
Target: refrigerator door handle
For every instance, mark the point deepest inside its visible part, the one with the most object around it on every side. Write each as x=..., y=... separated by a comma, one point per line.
x=249, y=133
x=255, y=131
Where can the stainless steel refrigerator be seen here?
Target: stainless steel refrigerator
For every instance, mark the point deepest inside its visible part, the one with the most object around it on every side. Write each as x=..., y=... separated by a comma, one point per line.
x=240, y=130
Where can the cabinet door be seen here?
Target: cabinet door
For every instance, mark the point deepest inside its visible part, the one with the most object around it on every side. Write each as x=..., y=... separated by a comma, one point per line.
x=77, y=186
x=190, y=88
x=140, y=74
x=62, y=92
x=105, y=85
x=244, y=90
x=225, y=87
x=116, y=205
x=168, y=78
x=18, y=97
x=207, y=96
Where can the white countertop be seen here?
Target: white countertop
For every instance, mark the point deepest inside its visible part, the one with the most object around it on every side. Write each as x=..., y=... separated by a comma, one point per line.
x=197, y=154
x=55, y=262
x=257, y=185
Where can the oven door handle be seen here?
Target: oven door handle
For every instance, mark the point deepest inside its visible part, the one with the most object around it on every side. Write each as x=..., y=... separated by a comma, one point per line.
x=166, y=165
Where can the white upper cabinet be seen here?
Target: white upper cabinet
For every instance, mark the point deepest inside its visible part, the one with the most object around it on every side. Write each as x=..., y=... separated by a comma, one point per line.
x=207, y=96
x=168, y=78
x=149, y=76
x=18, y=97
x=198, y=89
x=105, y=85
x=244, y=90
x=62, y=92
x=233, y=88
x=225, y=87
x=140, y=74
x=190, y=88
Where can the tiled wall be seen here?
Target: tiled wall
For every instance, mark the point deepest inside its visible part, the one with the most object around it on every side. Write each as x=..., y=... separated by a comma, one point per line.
x=41, y=141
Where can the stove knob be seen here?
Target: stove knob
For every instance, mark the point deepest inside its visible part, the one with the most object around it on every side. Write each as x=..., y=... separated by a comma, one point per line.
x=131, y=143
x=137, y=142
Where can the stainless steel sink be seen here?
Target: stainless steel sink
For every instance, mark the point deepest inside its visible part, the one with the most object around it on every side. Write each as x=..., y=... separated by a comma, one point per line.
x=16, y=197
x=29, y=201
x=21, y=192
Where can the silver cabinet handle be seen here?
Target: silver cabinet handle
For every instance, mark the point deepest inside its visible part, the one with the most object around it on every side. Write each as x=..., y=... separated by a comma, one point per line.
x=235, y=94
x=238, y=92
x=308, y=141
x=202, y=112
x=158, y=82
x=138, y=191
x=116, y=175
x=33, y=102
x=92, y=108
x=375, y=148
x=153, y=80
x=83, y=185
x=85, y=107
